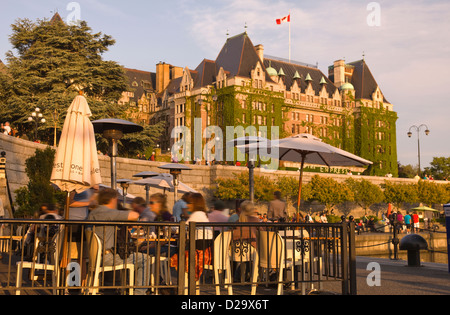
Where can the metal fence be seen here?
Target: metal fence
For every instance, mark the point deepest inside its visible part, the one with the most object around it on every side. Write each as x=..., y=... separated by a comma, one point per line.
x=67, y=257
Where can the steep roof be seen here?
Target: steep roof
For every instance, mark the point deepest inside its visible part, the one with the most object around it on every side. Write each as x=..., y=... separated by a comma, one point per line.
x=206, y=73
x=140, y=82
x=363, y=81
x=239, y=57
x=291, y=70
x=56, y=18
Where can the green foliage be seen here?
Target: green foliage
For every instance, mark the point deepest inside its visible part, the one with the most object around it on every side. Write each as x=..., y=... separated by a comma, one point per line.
x=39, y=189
x=53, y=62
x=289, y=187
x=365, y=193
x=328, y=192
x=377, y=140
x=440, y=168
x=399, y=194
x=430, y=193
x=406, y=171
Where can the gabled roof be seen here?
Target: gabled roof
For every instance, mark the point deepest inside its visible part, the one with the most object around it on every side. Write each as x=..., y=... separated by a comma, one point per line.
x=56, y=18
x=363, y=81
x=291, y=70
x=239, y=57
x=174, y=86
x=140, y=82
x=206, y=73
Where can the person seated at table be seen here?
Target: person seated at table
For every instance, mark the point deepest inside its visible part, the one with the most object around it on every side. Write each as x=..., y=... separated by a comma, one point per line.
x=107, y=211
x=198, y=209
x=158, y=207
x=180, y=209
x=242, y=236
x=139, y=205
x=247, y=215
x=218, y=216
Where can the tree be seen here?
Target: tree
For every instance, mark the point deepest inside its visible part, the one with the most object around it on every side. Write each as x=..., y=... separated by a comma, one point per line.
x=440, y=168
x=430, y=193
x=289, y=187
x=39, y=189
x=407, y=171
x=53, y=62
x=399, y=194
x=238, y=188
x=328, y=192
x=365, y=193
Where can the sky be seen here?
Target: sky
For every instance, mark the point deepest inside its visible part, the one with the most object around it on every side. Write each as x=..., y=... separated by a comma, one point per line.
x=406, y=44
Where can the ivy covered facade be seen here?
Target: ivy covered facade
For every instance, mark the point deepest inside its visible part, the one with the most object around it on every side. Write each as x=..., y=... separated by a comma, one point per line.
x=243, y=87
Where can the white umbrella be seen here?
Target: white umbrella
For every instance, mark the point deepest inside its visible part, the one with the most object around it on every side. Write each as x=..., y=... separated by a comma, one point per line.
x=306, y=148
x=165, y=182
x=76, y=166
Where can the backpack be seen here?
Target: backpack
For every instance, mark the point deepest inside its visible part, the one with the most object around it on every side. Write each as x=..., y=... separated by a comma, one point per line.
x=124, y=243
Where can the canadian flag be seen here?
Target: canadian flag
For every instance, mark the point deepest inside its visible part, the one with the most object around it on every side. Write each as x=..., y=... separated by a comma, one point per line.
x=286, y=19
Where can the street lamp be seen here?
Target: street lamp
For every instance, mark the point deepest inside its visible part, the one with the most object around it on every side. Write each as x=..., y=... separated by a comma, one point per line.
x=410, y=134
x=37, y=118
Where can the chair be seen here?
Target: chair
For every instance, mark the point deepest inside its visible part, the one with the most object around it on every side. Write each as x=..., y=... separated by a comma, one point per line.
x=298, y=250
x=95, y=268
x=222, y=261
x=270, y=256
x=244, y=252
x=52, y=265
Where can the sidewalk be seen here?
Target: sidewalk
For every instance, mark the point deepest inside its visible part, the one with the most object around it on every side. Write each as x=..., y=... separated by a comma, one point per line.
x=399, y=279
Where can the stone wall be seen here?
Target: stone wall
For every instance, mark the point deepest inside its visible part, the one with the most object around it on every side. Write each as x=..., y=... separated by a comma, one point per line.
x=201, y=178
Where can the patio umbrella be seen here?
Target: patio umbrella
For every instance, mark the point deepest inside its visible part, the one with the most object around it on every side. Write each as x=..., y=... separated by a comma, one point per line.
x=305, y=148
x=425, y=209
x=76, y=167
x=144, y=175
x=164, y=182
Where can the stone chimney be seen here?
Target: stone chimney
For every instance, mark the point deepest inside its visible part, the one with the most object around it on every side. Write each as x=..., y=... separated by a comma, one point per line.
x=162, y=76
x=166, y=73
x=339, y=73
x=260, y=52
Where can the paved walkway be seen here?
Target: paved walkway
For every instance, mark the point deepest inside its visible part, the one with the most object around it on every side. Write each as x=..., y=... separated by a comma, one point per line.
x=396, y=278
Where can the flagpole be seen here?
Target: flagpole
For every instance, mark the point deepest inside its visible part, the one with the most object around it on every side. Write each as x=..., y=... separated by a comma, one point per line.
x=289, y=36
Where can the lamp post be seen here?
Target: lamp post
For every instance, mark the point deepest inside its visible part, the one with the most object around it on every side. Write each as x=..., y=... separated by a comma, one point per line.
x=36, y=117
x=410, y=134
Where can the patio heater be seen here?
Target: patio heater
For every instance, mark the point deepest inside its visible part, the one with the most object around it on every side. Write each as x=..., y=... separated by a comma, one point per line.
x=113, y=130
x=125, y=184
x=175, y=171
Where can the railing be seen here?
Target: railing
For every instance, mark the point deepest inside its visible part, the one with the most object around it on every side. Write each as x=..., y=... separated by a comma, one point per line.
x=68, y=257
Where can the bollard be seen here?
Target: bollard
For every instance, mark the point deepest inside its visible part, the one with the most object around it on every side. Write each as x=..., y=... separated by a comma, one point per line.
x=395, y=242
x=413, y=243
